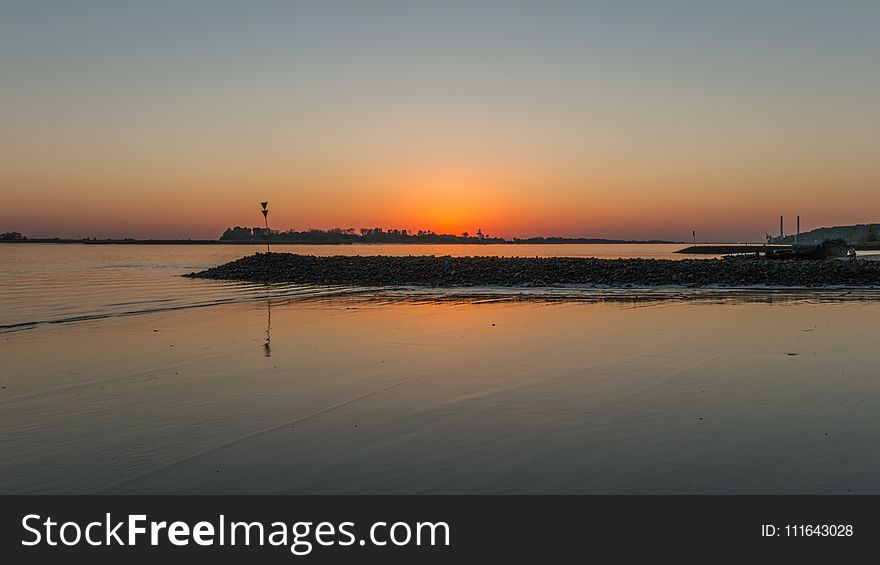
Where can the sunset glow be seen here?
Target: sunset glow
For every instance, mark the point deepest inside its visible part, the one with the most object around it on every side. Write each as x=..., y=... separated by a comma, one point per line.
x=163, y=122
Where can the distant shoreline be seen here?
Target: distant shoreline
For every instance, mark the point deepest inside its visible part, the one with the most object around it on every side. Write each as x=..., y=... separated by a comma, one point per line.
x=262, y=243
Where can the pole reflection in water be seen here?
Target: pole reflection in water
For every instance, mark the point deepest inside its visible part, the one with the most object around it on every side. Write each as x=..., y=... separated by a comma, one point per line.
x=267, y=346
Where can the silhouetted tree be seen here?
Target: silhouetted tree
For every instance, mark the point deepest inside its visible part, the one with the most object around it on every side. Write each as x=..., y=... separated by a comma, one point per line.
x=871, y=236
x=350, y=235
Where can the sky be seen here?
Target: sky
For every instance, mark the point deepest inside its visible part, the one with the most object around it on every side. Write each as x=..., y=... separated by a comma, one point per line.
x=624, y=119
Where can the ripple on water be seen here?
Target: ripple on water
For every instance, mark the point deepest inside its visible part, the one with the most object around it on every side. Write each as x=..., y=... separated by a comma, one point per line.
x=71, y=283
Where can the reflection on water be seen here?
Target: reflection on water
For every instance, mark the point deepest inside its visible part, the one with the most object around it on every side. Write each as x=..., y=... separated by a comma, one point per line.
x=62, y=283
x=282, y=388
x=439, y=394
x=267, y=345
x=71, y=283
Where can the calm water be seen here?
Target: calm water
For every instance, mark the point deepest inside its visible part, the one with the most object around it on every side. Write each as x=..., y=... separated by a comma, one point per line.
x=51, y=283
x=310, y=390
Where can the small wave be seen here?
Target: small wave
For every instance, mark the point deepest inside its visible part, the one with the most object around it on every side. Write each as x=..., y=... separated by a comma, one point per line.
x=165, y=304
x=237, y=292
x=476, y=295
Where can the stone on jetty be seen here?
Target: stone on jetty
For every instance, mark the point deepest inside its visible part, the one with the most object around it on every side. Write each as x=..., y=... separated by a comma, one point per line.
x=433, y=271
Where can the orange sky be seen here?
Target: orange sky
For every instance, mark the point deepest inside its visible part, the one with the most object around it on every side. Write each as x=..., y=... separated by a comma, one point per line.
x=157, y=121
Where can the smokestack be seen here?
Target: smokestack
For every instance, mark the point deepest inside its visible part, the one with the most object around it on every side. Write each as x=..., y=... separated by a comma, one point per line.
x=798, y=233
x=781, y=233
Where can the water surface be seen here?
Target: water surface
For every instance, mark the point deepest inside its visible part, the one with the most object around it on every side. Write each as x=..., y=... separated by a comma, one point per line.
x=316, y=390
x=42, y=283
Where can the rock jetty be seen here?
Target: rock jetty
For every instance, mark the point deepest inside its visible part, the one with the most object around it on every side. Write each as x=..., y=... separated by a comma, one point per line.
x=448, y=271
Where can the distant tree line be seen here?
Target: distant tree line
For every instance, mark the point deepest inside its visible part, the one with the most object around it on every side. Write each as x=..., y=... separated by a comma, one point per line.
x=857, y=234
x=379, y=235
x=350, y=235
x=871, y=235
x=12, y=236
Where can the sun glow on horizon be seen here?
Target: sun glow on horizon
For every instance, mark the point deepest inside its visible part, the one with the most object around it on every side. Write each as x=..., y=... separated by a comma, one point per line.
x=574, y=120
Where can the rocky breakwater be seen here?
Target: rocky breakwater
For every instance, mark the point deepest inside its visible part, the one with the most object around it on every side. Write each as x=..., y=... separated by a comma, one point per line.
x=552, y=271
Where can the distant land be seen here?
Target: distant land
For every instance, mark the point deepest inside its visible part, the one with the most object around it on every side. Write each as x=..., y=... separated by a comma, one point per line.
x=868, y=234
x=864, y=236
x=336, y=236
x=379, y=235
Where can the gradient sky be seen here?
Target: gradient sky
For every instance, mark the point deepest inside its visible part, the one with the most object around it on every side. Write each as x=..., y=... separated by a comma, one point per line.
x=608, y=119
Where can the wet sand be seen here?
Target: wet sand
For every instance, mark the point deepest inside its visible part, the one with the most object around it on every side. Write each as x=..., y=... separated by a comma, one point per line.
x=469, y=396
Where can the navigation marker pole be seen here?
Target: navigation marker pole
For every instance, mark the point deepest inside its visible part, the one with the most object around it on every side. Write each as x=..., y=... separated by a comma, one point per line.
x=265, y=206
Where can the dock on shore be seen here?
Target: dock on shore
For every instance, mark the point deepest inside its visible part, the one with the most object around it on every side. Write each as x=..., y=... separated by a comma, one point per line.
x=729, y=249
